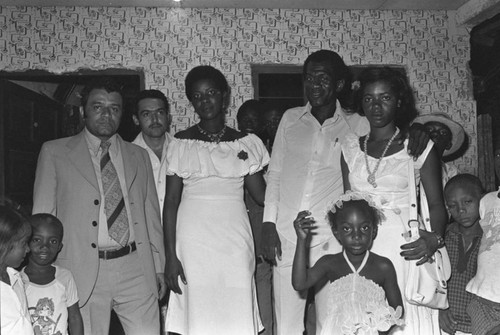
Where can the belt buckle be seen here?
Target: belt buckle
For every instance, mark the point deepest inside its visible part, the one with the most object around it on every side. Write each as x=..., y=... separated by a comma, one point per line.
x=128, y=247
x=105, y=254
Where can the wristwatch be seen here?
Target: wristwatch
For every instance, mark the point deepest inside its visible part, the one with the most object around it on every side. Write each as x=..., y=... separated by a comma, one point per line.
x=440, y=240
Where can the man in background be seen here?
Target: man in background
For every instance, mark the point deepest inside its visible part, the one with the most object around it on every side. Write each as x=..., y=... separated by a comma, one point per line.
x=272, y=114
x=250, y=121
x=152, y=115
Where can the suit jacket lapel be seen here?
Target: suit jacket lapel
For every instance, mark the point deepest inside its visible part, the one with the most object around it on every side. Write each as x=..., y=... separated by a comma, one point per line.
x=129, y=162
x=79, y=155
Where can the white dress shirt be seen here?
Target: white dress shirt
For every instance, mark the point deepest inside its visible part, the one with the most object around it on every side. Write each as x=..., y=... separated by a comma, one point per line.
x=159, y=166
x=305, y=172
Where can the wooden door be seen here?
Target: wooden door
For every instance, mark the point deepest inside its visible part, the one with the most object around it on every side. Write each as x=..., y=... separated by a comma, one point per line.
x=28, y=119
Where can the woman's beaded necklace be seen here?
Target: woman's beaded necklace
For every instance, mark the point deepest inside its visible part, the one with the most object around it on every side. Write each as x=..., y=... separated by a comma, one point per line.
x=371, y=175
x=214, y=137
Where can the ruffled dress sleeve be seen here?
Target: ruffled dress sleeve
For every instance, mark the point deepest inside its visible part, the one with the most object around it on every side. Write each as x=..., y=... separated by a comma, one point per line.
x=194, y=158
x=350, y=149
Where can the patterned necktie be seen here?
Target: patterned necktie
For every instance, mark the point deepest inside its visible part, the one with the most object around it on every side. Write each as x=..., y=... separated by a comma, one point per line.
x=114, y=203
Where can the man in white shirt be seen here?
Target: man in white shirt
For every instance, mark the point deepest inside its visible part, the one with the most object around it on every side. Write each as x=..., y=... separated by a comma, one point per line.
x=153, y=117
x=305, y=174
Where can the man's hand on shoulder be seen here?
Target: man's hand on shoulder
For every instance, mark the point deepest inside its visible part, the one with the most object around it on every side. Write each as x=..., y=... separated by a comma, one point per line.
x=418, y=139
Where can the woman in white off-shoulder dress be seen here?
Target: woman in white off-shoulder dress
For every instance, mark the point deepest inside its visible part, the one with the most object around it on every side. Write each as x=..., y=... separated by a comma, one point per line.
x=210, y=252
x=378, y=165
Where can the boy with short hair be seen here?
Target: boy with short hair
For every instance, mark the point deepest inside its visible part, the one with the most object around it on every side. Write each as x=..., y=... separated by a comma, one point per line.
x=462, y=239
x=50, y=289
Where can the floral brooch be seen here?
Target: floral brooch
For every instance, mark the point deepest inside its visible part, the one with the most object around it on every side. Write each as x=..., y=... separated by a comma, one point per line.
x=243, y=155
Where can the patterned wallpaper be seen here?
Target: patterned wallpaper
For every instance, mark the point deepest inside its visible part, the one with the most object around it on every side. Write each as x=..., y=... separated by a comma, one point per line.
x=165, y=43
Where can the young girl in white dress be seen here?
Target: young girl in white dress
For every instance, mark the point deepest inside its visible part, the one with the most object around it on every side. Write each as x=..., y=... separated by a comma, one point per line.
x=378, y=164
x=364, y=297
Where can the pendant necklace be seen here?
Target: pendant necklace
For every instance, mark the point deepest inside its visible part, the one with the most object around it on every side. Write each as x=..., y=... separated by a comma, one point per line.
x=214, y=137
x=371, y=175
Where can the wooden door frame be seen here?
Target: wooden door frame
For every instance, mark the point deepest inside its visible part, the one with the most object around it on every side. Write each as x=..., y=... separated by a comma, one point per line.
x=2, y=149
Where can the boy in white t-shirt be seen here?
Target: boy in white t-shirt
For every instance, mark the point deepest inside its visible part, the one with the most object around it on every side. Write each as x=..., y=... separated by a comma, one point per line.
x=484, y=308
x=51, y=290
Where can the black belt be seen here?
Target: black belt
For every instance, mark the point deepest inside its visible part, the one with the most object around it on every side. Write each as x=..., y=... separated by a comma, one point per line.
x=111, y=254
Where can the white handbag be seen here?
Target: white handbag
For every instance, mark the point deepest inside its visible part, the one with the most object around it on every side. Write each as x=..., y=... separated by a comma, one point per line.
x=426, y=284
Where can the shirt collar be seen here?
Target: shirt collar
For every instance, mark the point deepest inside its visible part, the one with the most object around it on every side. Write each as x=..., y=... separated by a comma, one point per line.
x=139, y=140
x=13, y=275
x=339, y=112
x=453, y=228
x=94, y=143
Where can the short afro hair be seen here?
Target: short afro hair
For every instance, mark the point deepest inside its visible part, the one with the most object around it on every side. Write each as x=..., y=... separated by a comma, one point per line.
x=205, y=72
x=466, y=181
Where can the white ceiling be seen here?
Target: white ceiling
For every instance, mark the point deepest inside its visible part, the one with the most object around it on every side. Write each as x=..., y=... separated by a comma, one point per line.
x=311, y=4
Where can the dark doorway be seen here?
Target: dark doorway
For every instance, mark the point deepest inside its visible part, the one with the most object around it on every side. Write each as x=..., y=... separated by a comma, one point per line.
x=37, y=106
x=485, y=66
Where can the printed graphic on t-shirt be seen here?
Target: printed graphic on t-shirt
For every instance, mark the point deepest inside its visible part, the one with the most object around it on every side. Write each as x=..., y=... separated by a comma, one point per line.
x=43, y=319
